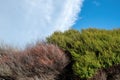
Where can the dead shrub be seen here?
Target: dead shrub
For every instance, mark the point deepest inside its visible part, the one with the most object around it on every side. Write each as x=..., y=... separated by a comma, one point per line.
x=39, y=62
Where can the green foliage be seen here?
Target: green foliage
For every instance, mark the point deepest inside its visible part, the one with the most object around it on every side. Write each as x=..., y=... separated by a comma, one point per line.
x=86, y=65
x=91, y=49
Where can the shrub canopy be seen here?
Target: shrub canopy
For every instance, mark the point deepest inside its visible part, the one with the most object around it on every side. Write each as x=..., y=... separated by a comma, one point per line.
x=91, y=49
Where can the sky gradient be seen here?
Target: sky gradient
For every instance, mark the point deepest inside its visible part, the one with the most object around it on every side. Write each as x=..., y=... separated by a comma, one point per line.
x=26, y=21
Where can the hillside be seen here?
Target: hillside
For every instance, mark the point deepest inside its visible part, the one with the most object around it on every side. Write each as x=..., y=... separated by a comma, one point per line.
x=89, y=54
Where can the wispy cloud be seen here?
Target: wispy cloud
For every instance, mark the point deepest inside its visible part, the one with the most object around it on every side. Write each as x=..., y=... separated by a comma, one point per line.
x=96, y=3
x=51, y=15
x=41, y=18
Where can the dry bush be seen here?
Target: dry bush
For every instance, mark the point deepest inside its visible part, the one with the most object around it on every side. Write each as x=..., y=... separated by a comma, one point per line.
x=39, y=62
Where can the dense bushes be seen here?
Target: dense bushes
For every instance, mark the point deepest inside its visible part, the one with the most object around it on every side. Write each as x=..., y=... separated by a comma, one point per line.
x=91, y=49
x=38, y=62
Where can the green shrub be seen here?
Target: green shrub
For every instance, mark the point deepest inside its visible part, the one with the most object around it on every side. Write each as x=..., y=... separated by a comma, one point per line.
x=91, y=49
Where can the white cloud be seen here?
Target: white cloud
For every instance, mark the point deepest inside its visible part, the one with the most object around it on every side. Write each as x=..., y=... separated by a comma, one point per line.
x=53, y=14
x=40, y=18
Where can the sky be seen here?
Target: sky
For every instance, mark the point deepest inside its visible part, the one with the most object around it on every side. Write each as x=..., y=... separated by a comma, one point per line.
x=101, y=14
x=26, y=21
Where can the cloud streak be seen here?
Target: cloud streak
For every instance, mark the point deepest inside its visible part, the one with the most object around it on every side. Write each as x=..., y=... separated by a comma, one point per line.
x=96, y=3
x=40, y=18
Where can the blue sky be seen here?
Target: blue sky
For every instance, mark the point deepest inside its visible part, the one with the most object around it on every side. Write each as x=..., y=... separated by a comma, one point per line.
x=103, y=14
x=26, y=21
